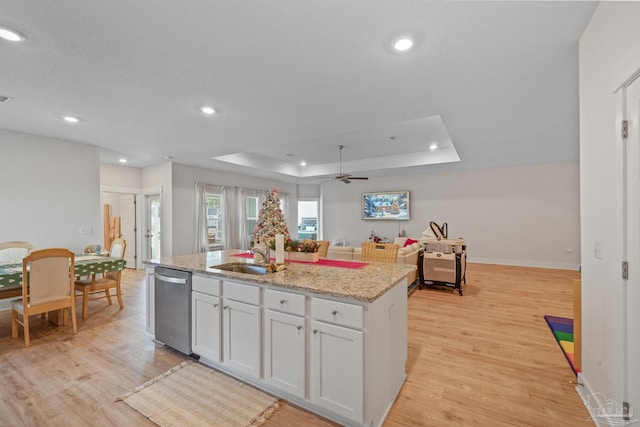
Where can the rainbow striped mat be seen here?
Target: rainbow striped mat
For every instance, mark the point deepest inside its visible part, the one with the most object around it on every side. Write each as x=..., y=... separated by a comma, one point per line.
x=562, y=329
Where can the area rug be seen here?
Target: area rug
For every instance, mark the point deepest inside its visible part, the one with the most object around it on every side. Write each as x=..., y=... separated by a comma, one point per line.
x=562, y=329
x=191, y=394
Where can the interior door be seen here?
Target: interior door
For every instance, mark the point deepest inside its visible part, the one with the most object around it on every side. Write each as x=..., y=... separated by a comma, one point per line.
x=152, y=234
x=128, y=227
x=632, y=248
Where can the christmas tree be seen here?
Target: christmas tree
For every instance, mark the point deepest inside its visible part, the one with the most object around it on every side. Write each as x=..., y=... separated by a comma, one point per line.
x=270, y=220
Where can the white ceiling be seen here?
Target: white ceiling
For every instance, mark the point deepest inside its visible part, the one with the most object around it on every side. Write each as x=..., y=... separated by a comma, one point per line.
x=291, y=80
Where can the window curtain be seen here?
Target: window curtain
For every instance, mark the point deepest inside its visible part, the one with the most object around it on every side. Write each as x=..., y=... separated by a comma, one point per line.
x=201, y=242
x=234, y=215
x=234, y=203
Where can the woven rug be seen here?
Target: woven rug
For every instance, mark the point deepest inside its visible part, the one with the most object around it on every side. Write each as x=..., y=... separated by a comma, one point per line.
x=562, y=330
x=191, y=394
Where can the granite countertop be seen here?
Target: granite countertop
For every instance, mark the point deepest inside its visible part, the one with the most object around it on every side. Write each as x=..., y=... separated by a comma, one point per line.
x=363, y=284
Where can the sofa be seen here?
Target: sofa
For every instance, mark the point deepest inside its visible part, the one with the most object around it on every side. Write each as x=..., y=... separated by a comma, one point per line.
x=406, y=254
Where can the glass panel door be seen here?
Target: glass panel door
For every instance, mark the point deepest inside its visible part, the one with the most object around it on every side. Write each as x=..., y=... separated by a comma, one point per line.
x=152, y=233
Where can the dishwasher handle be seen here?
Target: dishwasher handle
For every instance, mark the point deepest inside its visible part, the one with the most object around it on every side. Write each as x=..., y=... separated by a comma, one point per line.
x=168, y=279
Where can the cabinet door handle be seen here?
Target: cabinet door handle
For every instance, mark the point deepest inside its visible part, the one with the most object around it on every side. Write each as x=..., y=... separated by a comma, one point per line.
x=282, y=301
x=215, y=305
x=315, y=331
x=299, y=327
x=225, y=307
x=334, y=312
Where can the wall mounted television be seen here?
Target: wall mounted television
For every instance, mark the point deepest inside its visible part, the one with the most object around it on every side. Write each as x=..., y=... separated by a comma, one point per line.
x=386, y=205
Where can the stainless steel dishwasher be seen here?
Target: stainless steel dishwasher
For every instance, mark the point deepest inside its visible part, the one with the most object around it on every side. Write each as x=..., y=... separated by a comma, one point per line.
x=173, y=308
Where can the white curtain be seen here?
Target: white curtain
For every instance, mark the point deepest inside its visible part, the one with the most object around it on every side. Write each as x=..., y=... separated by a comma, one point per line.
x=201, y=241
x=234, y=215
x=234, y=203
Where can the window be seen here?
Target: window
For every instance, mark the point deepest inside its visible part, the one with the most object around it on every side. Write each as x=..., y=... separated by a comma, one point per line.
x=252, y=215
x=308, y=219
x=214, y=221
x=227, y=216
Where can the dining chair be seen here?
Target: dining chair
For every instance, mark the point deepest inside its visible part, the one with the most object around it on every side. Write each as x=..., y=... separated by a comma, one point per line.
x=380, y=252
x=323, y=248
x=14, y=251
x=47, y=286
x=107, y=281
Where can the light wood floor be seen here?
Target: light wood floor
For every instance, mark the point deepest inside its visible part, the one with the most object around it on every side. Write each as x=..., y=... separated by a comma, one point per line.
x=484, y=359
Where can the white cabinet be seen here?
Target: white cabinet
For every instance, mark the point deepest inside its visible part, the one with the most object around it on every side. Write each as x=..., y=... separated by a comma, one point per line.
x=205, y=317
x=340, y=358
x=151, y=317
x=241, y=328
x=205, y=330
x=285, y=342
x=337, y=355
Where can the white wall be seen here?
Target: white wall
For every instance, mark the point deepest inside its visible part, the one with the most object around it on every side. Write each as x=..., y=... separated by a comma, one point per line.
x=49, y=188
x=612, y=31
x=125, y=177
x=527, y=215
x=184, y=179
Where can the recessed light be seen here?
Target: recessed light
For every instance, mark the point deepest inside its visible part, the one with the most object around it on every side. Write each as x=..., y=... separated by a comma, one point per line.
x=403, y=44
x=303, y=163
x=433, y=146
x=122, y=160
x=207, y=110
x=11, y=35
x=71, y=119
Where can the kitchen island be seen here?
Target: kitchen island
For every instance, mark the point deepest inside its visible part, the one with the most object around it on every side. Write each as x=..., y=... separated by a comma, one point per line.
x=330, y=339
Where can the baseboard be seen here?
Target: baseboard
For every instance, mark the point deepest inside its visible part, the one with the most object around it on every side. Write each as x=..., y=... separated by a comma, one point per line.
x=526, y=263
x=599, y=406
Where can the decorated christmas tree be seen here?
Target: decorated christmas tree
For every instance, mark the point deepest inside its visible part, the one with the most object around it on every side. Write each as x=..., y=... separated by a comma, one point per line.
x=270, y=220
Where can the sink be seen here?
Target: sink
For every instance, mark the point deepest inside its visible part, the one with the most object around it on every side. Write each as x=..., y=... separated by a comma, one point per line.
x=239, y=267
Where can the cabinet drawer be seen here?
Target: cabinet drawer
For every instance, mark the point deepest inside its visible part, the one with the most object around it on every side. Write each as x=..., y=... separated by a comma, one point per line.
x=206, y=285
x=243, y=293
x=284, y=301
x=337, y=312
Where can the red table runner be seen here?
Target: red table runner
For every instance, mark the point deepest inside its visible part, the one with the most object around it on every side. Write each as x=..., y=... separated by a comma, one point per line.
x=323, y=262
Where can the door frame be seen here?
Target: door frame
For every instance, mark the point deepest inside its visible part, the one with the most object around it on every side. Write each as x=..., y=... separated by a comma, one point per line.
x=136, y=196
x=145, y=215
x=625, y=73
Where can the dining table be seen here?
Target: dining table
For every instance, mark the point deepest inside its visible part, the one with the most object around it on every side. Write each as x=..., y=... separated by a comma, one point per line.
x=84, y=265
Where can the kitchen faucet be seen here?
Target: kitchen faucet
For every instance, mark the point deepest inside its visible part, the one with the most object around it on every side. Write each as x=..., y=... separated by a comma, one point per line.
x=266, y=254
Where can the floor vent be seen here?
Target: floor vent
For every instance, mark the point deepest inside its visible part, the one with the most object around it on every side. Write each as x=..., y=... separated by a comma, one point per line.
x=4, y=99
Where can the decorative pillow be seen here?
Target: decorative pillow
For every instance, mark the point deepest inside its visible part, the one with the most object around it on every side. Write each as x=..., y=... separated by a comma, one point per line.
x=409, y=242
x=399, y=241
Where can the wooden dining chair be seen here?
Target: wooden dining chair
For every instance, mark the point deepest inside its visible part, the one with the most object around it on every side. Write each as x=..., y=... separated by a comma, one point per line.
x=47, y=285
x=107, y=281
x=14, y=251
x=380, y=252
x=323, y=248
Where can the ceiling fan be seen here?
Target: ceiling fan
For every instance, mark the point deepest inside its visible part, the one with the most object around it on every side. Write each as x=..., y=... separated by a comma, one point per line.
x=345, y=177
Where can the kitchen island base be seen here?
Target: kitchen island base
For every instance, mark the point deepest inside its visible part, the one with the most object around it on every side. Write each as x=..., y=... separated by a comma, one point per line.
x=350, y=374
x=332, y=341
